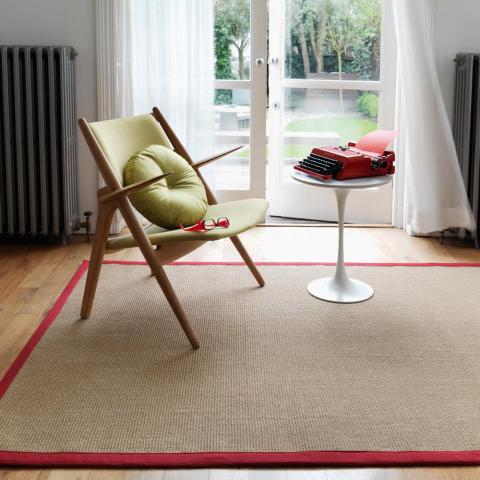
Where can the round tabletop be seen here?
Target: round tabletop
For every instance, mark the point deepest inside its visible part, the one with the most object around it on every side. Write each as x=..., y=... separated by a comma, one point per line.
x=352, y=183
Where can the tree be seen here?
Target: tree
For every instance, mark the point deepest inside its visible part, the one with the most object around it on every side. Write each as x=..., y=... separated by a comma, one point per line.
x=223, y=59
x=304, y=48
x=341, y=33
x=235, y=15
x=366, y=51
x=307, y=25
x=298, y=11
x=318, y=32
x=342, y=30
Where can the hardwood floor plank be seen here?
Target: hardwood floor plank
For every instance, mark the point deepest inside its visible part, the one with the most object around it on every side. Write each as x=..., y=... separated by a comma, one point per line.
x=36, y=277
x=307, y=474
x=199, y=474
x=441, y=473
x=265, y=473
x=68, y=474
x=14, y=300
x=125, y=474
x=228, y=474
x=26, y=474
x=14, y=337
x=365, y=474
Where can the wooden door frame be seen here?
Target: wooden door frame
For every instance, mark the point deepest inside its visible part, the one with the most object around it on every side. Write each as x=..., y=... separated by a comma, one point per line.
x=258, y=105
x=278, y=82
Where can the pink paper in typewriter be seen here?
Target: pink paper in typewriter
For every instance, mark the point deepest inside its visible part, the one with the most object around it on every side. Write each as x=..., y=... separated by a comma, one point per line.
x=376, y=142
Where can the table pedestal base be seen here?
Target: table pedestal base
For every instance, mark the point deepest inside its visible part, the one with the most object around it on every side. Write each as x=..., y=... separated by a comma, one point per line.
x=341, y=288
x=344, y=290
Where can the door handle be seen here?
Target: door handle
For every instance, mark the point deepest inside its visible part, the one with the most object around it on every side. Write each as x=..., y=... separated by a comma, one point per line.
x=273, y=61
x=259, y=61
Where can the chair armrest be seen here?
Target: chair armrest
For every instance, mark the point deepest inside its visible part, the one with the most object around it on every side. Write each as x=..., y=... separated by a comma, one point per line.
x=132, y=188
x=218, y=156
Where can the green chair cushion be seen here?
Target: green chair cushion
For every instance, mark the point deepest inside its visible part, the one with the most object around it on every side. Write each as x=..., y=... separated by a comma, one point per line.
x=178, y=199
x=122, y=137
x=243, y=215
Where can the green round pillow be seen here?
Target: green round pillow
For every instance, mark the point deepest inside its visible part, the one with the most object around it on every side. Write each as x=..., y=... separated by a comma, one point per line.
x=178, y=199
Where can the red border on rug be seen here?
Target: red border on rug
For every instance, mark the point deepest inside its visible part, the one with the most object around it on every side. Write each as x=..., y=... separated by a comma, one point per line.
x=219, y=459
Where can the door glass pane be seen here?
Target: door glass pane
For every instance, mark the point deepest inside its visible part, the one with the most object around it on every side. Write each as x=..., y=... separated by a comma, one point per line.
x=332, y=39
x=232, y=39
x=232, y=128
x=317, y=117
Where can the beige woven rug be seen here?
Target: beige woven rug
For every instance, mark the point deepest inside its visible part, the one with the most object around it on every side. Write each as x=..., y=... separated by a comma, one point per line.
x=278, y=371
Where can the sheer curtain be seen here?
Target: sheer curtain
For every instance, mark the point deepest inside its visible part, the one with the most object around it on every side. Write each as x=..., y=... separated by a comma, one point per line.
x=114, y=93
x=158, y=52
x=435, y=196
x=171, y=64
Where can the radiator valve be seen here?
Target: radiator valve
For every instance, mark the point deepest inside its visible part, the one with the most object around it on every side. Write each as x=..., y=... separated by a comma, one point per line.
x=86, y=224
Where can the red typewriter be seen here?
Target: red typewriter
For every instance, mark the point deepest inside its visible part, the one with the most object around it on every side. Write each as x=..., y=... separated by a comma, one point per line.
x=366, y=158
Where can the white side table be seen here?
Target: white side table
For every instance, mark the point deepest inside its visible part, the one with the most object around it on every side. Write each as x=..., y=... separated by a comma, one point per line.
x=340, y=288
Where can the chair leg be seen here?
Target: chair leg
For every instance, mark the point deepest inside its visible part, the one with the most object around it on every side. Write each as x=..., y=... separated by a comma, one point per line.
x=249, y=262
x=156, y=267
x=167, y=289
x=180, y=149
x=102, y=229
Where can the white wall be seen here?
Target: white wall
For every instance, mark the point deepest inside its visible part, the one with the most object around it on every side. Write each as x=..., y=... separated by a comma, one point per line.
x=457, y=29
x=61, y=22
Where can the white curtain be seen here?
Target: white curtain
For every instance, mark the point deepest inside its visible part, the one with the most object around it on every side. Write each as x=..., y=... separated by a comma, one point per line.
x=159, y=53
x=171, y=63
x=435, y=197
x=114, y=93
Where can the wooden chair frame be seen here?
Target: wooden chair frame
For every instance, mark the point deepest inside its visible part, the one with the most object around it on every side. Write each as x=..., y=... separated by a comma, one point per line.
x=114, y=196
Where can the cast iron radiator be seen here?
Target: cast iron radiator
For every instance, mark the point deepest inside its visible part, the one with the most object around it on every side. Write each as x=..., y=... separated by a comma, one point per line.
x=38, y=170
x=466, y=128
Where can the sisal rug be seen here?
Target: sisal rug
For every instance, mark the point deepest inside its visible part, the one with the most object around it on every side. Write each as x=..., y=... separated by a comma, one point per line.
x=281, y=378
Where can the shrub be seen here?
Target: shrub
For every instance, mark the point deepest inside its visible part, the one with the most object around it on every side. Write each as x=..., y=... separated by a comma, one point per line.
x=367, y=103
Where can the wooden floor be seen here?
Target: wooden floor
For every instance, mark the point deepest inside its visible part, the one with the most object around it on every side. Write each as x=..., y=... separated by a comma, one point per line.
x=31, y=277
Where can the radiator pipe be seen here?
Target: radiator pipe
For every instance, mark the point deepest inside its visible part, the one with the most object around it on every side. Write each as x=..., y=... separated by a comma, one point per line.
x=86, y=224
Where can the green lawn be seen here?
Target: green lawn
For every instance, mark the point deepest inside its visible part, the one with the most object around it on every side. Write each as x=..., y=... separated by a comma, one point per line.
x=349, y=129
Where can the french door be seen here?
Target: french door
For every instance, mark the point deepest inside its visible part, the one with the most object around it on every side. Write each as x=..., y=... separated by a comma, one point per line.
x=241, y=97
x=345, y=91
x=331, y=72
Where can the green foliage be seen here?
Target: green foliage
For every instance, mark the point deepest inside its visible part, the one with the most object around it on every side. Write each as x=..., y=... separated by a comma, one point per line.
x=233, y=19
x=322, y=36
x=223, y=59
x=367, y=103
x=306, y=21
x=349, y=129
x=366, y=51
x=362, y=64
x=294, y=65
x=223, y=96
x=223, y=56
x=334, y=35
x=341, y=29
